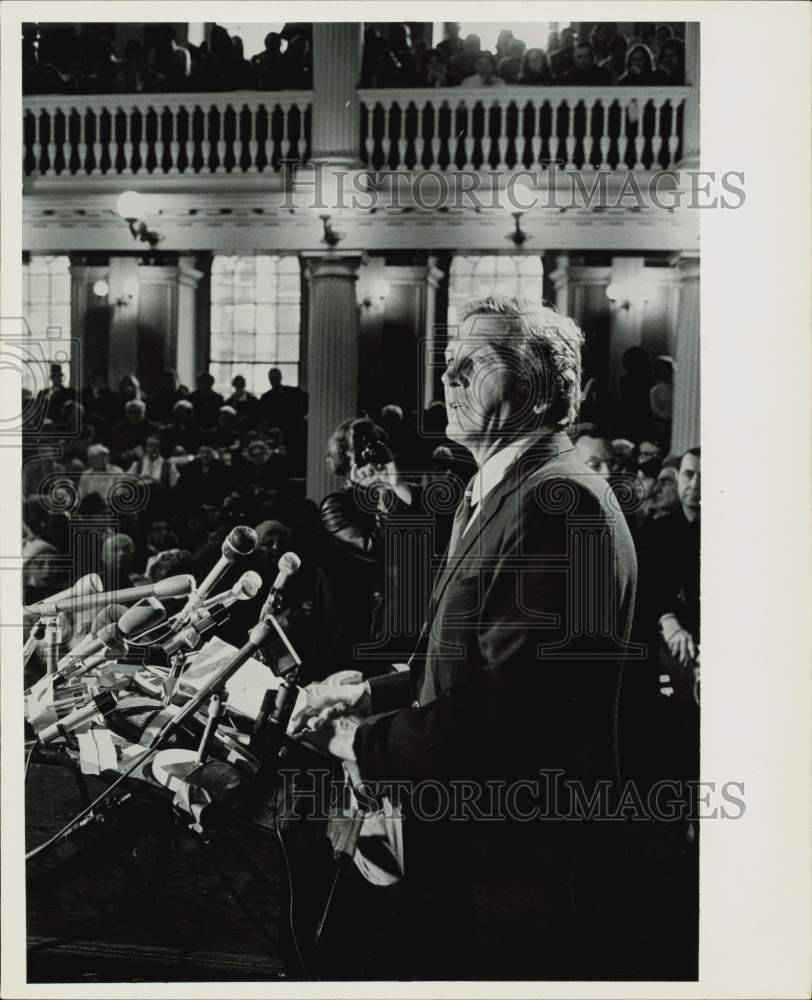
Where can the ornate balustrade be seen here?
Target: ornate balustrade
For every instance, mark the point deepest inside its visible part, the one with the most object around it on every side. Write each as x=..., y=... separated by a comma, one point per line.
x=123, y=135
x=516, y=128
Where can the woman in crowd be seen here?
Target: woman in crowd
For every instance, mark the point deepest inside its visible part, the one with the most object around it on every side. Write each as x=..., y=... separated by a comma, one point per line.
x=640, y=71
x=535, y=70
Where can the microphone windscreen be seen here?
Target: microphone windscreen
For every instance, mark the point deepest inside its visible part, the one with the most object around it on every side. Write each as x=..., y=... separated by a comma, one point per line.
x=107, y=616
x=248, y=585
x=175, y=586
x=289, y=563
x=240, y=541
x=140, y=618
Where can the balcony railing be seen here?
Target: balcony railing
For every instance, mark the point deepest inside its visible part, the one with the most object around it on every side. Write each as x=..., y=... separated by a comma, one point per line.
x=515, y=128
x=124, y=135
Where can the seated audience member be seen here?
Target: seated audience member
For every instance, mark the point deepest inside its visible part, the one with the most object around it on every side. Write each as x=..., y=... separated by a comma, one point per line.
x=184, y=434
x=665, y=495
x=129, y=388
x=225, y=437
x=102, y=406
x=152, y=467
x=585, y=71
x=80, y=434
x=42, y=573
x=205, y=481
x=600, y=37
x=244, y=403
x=168, y=562
x=503, y=40
x=562, y=58
x=509, y=67
x=50, y=401
x=643, y=513
x=268, y=66
x=262, y=470
x=100, y=475
x=535, y=70
x=205, y=401
x=162, y=402
x=134, y=75
x=118, y=562
x=674, y=552
x=640, y=71
x=615, y=62
x=671, y=62
x=170, y=60
x=661, y=397
x=436, y=69
x=464, y=63
x=158, y=537
x=595, y=450
x=485, y=75
x=452, y=45
x=130, y=434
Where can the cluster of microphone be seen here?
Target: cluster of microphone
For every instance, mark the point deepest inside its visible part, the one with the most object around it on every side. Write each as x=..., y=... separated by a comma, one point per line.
x=119, y=631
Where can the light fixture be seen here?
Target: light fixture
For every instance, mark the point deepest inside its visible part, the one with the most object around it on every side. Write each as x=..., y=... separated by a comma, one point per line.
x=101, y=288
x=130, y=206
x=332, y=237
x=517, y=236
x=634, y=295
x=377, y=294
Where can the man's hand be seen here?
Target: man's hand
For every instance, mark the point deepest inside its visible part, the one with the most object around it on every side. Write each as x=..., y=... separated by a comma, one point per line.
x=679, y=640
x=335, y=736
x=328, y=701
x=382, y=476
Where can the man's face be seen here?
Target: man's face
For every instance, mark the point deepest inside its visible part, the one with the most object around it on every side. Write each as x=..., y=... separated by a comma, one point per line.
x=153, y=447
x=480, y=387
x=584, y=56
x=206, y=456
x=665, y=495
x=596, y=453
x=688, y=483
x=648, y=450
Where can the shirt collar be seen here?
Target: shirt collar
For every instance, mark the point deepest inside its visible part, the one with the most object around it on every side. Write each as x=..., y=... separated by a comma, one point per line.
x=495, y=468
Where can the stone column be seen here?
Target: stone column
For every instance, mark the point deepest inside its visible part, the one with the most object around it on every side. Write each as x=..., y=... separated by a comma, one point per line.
x=690, y=124
x=685, y=428
x=332, y=359
x=336, y=75
x=431, y=360
x=124, y=296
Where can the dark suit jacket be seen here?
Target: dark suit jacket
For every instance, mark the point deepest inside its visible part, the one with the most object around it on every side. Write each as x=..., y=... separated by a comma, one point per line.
x=518, y=671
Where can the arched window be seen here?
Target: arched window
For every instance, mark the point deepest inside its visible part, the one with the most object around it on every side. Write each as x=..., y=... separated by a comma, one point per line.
x=477, y=275
x=46, y=302
x=255, y=320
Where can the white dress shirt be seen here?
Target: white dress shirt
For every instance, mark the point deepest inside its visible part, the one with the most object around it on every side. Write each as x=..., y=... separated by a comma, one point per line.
x=493, y=471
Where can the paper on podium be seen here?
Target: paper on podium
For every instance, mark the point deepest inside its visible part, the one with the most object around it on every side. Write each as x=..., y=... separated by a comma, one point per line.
x=246, y=688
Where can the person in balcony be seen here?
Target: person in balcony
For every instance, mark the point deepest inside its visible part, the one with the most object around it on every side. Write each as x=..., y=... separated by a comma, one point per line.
x=615, y=62
x=640, y=70
x=243, y=72
x=662, y=34
x=401, y=49
x=206, y=401
x=171, y=61
x=436, y=69
x=585, y=71
x=535, y=71
x=298, y=62
x=671, y=62
x=268, y=66
x=503, y=43
x=464, y=64
x=510, y=67
x=485, y=75
x=452, y=45
x=562, y=59
x=599, y=38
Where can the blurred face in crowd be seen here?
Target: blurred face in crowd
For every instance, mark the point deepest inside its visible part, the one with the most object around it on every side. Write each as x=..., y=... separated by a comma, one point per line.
x=97, y=460
x=638, y=63
x=183, y=414
x=486, y=66
x=272, y=543
x=584, y=57
x=567, y=38
x=118, y=552
x=135, y=414
x=169, y=381
x=648, y=450
x=669, y=58
x=258, y=454
x=452, y=29
x=205, y=383
x=688, y=485
x=238, y=384
x=472, y=44
x=596, y=453
x=665, y=494
x=205, y=456
x=152, y=446
x=275, y=377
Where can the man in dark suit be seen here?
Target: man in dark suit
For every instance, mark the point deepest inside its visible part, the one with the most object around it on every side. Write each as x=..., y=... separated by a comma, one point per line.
x=510, y=697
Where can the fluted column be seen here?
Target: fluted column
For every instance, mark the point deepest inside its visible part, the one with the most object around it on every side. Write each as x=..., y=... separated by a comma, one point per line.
x=332, y=359
x=685, y=427
x=690, y=125
x=336, y=75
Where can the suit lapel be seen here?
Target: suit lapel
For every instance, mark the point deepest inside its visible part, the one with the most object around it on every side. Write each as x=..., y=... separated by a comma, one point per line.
x=528, y=463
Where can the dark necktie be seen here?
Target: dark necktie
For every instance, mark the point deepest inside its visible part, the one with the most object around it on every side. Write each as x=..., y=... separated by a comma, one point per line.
x=461, y=519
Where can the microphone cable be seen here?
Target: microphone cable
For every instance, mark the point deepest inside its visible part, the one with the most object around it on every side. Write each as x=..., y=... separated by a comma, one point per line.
x=28, y=758
x=291, y=909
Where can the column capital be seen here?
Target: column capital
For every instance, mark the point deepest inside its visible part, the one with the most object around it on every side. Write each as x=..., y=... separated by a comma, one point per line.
x=338, y=264
x=686, y=262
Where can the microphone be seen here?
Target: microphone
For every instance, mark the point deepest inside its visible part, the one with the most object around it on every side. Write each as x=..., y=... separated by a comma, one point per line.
x=89, y=643
x=289, y=564
x=99, y=705
x=84, y=587
x=122, y=625
x=245, y=589
x=173, y=586
x=240, y=542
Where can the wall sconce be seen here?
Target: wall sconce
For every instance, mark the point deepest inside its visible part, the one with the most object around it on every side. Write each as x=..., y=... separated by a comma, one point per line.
x=628, y=297
x=101, y=289
x=517, y=236
x=377, y=295
x=130, y=206
x=332, y=237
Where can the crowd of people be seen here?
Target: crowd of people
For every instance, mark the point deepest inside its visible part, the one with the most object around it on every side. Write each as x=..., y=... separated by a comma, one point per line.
x=650, y=56
x=92, y=65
